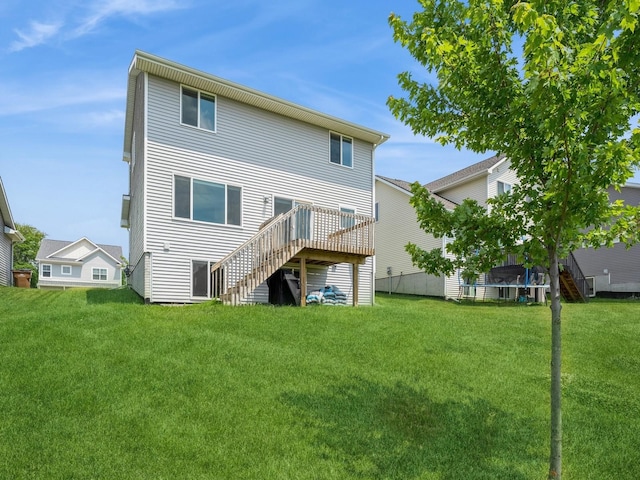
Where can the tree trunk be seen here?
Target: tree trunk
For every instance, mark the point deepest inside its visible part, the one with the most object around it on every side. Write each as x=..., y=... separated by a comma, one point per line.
x=555, y=459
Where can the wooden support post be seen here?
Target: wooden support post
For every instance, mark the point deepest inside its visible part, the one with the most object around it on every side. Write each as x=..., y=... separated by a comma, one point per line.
x=355, y=284
x=303, y=282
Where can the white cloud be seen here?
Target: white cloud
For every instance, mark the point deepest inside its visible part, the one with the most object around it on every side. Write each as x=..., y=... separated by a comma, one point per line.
x=60, y=92
x=105, y=118
x=92, y=14
x=37, y=34
x=101, y=11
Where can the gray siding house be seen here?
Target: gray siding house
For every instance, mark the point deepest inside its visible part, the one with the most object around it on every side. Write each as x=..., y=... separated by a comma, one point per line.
x=228, y=185
x=613, y=272
x=8, y=237
x=64, y=264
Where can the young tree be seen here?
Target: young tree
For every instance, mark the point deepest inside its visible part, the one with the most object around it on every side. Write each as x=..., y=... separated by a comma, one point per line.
x=24, y=254
x=552, y=85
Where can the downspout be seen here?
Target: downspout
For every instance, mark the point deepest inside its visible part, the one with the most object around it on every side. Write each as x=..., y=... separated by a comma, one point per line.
x=373, y=212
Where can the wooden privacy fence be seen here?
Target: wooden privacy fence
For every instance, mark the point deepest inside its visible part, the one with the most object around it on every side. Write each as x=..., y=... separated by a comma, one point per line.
x=305, y=228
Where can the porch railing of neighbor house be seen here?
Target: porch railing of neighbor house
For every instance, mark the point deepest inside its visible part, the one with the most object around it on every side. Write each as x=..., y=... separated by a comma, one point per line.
x=573, y=284
x=512, y=274
x=304, y=228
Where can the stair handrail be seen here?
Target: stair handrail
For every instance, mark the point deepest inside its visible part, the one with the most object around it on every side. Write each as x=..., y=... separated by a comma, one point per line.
x=327, y=229
x=269, y=223
x=576, y=272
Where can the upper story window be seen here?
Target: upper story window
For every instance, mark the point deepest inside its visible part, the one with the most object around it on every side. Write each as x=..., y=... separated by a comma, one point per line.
x=376, y=213
x=341, y=150
x=198, y=109
x=46, y=271
x=66, y=270
x=207, y=201
x=503, y=188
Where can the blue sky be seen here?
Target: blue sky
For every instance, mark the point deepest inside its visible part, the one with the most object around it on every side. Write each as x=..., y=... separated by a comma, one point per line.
x=63, y=73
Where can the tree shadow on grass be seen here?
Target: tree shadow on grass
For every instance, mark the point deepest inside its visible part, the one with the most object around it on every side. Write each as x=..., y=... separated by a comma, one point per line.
x=119, y=295
x=396, y=432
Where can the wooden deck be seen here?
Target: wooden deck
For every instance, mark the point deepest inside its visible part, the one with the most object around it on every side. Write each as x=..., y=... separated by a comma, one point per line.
x=306, y=235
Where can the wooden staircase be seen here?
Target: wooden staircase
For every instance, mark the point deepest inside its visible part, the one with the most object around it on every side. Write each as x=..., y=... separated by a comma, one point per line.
x=323, y=235
x=573, y=285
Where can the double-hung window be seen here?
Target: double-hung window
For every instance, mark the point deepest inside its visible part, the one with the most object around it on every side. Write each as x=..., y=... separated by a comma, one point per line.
x=198, y=109
x=205, y=201
x=503, y=188
x=341, y=148
x=99, y=274
x=46, y=271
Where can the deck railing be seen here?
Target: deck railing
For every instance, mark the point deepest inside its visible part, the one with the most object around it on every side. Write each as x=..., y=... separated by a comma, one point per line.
x=281, y=238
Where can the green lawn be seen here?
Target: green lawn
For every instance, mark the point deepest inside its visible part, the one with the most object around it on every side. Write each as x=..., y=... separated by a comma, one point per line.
x=93, y=384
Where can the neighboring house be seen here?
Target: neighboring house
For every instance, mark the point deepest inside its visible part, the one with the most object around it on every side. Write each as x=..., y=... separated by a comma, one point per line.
x=397, y=225
x=82, y=263
x=613, y=272
x=605, y=272
x=8, y=237
x=212, y=162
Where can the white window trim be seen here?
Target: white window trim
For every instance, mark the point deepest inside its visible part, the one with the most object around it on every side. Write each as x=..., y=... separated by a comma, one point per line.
x=348, y=207
x=62, y=267
x=202, y=222
x=106, y=274
x=352, y=150
x=215, y=109
x=42, y=270
x=506, y=187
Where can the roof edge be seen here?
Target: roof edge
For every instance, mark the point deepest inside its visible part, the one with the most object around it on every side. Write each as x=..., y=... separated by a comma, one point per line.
x=149, y=63
x=5, y=209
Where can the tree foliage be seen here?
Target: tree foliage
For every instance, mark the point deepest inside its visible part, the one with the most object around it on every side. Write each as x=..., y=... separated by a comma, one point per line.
x=24, y=254
x=554, y=86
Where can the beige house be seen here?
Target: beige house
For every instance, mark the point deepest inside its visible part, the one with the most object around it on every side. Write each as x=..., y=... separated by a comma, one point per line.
x=397, y=225
x=611, y=272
